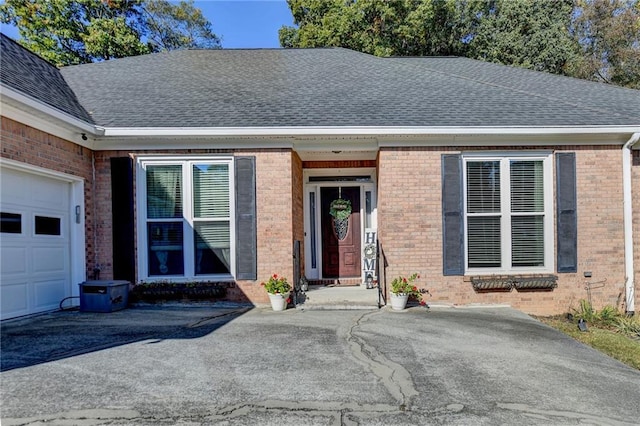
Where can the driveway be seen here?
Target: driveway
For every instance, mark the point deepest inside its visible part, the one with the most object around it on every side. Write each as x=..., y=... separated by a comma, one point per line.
x=199, y=364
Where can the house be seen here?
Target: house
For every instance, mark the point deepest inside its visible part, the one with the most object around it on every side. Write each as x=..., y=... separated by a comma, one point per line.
x=497, y=185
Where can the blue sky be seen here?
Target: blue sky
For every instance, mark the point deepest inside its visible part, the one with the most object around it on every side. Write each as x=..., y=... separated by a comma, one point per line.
x=240, y=23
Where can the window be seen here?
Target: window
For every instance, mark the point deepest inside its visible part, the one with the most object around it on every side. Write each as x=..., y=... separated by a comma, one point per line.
x=45, y=225
x=508, y=214
x=188, y=217
x=10, y=223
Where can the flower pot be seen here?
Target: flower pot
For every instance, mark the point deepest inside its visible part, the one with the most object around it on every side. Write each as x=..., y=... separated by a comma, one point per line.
x=399, y=301
x=278, y=301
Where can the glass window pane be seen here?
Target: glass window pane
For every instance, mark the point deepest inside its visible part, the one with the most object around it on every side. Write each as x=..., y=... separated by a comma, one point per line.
x=527, y=241
x=212, y=247
x=165, y=248
x=527, y=186
x=211, y=191
x=368, y=209
x=312, y=225
x=483, y=187
x=164, y=191
x=10, y=223
x=483, y=235
x=47, y=225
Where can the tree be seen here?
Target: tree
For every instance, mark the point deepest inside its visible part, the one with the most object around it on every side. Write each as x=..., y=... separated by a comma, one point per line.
x=178, y=26
x=609, y=36
x=383, y=28
x=594, y=39
x=67, y=32
x=530, y=34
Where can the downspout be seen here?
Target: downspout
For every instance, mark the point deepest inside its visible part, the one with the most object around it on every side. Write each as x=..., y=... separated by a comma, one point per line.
x=628, y=223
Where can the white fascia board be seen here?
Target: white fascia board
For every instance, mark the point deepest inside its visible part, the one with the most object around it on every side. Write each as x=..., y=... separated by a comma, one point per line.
x=358, y=131
x=55, y=113
x=34, y=113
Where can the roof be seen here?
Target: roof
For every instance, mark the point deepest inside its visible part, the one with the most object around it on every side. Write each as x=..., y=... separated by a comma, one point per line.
x=332, y=87
x=337, y=87
x=26, y=72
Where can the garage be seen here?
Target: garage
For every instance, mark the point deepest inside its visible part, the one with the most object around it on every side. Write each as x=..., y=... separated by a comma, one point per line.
x=35, y=241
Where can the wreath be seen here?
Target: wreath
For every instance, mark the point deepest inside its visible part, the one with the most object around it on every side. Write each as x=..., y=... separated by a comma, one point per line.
x=340, y=209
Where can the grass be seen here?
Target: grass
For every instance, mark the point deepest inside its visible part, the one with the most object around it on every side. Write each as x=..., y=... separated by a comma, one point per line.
x=609, y=331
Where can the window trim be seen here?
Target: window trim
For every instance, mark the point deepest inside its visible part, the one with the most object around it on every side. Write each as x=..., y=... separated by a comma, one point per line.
x=187, y=163
x=549, y=228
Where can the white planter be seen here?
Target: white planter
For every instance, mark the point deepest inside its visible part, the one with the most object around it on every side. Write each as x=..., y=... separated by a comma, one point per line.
x=278, y=301
x=399, y=301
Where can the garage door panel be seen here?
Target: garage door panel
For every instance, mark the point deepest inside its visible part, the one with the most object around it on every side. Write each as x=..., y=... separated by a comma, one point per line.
x=14, y=298
x=50, y=259
x=50, y=194
x=14, y=188
x=13, y=260
x=48, y=294
x=35, y=247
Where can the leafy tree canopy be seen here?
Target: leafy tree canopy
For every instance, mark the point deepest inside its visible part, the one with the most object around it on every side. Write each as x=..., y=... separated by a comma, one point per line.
x=68, y=32
x=594, y=39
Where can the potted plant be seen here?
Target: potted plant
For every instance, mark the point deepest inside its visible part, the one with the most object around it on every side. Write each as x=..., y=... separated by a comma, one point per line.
x=278, y=289
x=402, y=289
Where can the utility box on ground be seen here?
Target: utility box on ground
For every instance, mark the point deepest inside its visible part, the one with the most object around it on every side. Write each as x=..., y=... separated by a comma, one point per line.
x=103, y=295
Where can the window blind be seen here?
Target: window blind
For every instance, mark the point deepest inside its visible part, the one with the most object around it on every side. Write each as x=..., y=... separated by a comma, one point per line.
x=211, y=191
x=527, y=208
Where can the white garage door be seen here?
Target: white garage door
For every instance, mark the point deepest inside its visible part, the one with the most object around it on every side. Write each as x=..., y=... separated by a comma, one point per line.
x=35, y=243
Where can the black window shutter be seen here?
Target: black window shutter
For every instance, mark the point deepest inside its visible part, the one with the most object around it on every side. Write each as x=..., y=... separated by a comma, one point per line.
x=123, y=228
x=567, y=219
x=452, y=219
x=246, y=228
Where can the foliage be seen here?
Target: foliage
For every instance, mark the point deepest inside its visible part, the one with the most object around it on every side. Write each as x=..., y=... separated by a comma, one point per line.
x=166, y=290
x=608, y=318
x=593, y=39
x=277, y=285
x=340, y=208
x=405, y=285
x=174, y=26
x=530, y=34
x=67, y=32
x=609, y=36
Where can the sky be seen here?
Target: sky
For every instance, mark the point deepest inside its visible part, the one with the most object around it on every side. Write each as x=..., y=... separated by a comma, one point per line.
x=240, y=23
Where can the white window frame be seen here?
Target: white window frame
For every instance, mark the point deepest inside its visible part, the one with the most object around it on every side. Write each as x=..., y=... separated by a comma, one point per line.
x=505, y=211
x=188, y=220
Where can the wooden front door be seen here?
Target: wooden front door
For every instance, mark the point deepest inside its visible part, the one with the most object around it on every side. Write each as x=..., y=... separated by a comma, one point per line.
x=340, y=253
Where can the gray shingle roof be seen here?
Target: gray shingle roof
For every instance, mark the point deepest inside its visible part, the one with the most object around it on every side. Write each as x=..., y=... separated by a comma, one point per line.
x=337, y=87
x=22, y=70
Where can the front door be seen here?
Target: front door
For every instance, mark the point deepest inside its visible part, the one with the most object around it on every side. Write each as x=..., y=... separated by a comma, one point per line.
x=340, y=237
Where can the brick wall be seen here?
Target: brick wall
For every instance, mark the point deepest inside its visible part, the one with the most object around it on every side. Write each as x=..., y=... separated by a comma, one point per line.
x=410, y=229
x=276, y=206
x=25, y=144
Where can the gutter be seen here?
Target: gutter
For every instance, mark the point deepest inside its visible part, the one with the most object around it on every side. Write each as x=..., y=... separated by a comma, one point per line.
x=53, y=112
x=315, y=131
x=628, y=223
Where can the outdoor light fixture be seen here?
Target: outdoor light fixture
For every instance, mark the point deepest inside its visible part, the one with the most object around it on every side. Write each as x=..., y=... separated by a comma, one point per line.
x=84, y=137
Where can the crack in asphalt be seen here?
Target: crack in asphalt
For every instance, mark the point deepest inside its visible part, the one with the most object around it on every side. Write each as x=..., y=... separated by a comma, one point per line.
x=546, y=414
x=395, y=378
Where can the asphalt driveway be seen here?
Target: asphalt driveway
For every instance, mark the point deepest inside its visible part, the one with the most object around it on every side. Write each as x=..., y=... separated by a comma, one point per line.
x=199, y=364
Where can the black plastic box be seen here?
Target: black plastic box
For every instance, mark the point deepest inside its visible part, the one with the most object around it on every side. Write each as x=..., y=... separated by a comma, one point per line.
x=103, y=295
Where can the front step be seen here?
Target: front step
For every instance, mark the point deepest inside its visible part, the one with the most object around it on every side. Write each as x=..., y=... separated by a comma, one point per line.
x=320, y=297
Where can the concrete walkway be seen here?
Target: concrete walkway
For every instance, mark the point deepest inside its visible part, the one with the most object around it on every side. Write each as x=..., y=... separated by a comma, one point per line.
x=199, y=364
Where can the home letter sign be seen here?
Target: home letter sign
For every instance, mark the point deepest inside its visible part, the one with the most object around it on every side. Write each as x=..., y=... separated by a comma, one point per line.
x=369, y=253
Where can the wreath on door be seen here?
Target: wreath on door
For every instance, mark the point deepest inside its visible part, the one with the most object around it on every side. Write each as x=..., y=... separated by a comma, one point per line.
x=340, y=210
